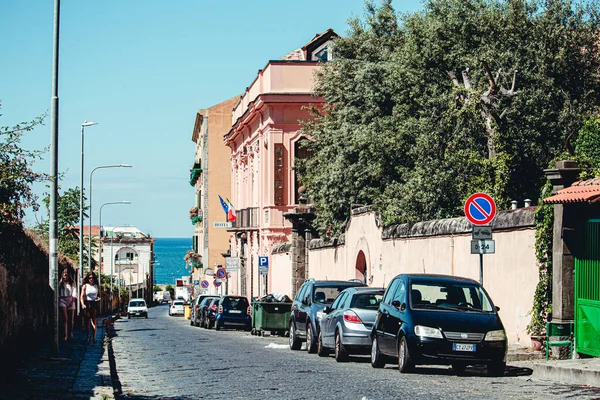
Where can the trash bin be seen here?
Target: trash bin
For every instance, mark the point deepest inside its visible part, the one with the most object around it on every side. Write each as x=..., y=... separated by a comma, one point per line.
x=187, y=311
x=270, y=316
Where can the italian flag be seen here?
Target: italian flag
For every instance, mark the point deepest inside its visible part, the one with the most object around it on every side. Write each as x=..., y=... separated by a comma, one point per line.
x=230, y=212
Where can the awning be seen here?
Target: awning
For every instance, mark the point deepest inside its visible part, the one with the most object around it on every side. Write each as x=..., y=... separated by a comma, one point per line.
x=580, y=192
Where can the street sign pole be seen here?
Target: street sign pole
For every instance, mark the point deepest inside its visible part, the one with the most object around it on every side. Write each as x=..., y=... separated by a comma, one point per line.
x=480, y=210
x=481, y=269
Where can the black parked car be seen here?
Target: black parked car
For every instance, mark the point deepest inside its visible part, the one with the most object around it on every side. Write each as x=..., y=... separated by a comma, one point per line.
x=198, y=309
x=308, y=306
x=438, y=319
x=347, y=324
x=210, y=313
x=196, y=315
x=233, y=311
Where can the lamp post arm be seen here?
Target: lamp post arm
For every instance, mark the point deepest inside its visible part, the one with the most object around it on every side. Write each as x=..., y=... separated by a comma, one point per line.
x=90, y=223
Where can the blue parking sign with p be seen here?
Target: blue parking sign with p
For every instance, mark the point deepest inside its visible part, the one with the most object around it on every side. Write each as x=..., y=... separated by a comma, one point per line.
x=263, y=261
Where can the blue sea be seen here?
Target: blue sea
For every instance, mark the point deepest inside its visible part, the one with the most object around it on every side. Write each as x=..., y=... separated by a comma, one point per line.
x=170, y=265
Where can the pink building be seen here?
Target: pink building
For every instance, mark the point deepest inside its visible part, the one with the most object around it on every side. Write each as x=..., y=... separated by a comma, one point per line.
x=264, y=141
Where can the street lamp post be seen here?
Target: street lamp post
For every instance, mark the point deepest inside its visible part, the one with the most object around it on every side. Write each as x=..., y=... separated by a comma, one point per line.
x=81, y=221
x=90, y=223
x=100, y=253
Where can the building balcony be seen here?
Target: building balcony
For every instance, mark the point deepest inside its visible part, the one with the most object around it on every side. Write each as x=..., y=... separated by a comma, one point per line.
x=246, y=218
x=196, y=219
x=195, y=174
x=126, y=262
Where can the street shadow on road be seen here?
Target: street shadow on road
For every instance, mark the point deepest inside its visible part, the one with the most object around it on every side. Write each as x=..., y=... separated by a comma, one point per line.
x=476, y=370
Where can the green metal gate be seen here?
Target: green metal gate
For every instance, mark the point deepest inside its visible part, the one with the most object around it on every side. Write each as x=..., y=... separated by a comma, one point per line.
x=587, y=291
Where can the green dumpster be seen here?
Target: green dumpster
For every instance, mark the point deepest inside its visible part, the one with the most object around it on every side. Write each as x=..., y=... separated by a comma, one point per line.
x=270, y=316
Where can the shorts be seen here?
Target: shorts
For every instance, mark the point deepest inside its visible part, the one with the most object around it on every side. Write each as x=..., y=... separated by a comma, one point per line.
x=91, y=307
x=67, y=302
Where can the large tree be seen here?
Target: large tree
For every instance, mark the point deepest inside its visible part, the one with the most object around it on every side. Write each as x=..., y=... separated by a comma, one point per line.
x=466, y=95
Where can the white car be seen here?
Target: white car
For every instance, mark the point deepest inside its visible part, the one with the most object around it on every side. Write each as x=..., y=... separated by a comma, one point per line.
x=176, y=307
x=137, y=308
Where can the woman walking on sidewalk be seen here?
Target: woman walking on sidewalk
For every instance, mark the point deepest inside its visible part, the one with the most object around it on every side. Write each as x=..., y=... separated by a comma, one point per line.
x=67, y=299
x=89, y=303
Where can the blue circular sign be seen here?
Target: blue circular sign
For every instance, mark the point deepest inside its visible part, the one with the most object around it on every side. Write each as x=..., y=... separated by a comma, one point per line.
x=221, y=273
x=204, y=284
x=216, y=283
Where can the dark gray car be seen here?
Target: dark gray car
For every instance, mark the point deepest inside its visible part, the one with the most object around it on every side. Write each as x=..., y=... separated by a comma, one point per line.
x=346, y=325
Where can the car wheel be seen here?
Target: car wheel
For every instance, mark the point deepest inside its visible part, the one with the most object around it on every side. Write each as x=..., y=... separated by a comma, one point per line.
x=311, y=346
x=341, y=354
x=217, y=326
x=405, y=363
x=128, y=316
x=192, y=322
x=295, y=343
x=377, y=360
x=146, y=315
x=496, y=369
x=321, y=350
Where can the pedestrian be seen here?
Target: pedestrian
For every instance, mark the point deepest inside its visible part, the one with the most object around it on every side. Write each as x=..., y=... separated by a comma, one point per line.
x=67, y=299
x=89, y=304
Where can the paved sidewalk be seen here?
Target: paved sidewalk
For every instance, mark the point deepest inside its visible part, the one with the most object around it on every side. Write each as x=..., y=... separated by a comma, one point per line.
x=79, y=371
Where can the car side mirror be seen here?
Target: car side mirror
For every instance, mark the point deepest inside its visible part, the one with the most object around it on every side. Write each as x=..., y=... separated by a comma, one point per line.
x=497, y=308
x=305, y=301
x=327, y=309
x=396, y=303
x=403, y=307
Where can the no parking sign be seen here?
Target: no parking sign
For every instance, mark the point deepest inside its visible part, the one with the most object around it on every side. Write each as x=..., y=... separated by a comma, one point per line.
x=480, y=209
x=204, y=284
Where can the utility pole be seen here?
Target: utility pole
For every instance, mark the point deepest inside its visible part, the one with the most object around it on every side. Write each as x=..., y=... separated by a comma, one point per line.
x=53, y=228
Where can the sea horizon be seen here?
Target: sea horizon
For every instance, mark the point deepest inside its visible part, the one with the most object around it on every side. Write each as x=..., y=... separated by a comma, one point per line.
x=169, y=254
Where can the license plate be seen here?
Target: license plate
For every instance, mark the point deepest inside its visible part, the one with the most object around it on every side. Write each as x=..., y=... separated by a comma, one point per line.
x=463, y=347
x=235, y=312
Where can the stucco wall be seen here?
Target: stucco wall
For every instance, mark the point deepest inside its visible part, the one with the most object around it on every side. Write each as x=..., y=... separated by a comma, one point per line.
x=510, y=275
x=280, y=273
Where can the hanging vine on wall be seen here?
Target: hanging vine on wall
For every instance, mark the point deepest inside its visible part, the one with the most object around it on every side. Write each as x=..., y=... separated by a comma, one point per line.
x=542, y=299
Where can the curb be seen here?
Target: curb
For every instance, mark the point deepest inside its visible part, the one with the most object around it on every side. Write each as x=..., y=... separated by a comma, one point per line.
x=114, y=376
x=568, y=371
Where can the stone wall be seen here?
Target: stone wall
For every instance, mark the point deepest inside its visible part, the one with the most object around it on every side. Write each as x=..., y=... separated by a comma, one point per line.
x=26, y=299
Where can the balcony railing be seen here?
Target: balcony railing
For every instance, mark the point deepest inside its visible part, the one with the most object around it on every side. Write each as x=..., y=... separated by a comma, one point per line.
x=126, y=262
x=246, y=218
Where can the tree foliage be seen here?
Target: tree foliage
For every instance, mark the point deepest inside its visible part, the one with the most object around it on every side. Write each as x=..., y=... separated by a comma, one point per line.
x=68, y=223
x=424, y=109
x=16, y=174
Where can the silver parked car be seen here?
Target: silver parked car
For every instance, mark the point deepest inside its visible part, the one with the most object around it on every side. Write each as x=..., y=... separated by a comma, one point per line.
x=346, y=324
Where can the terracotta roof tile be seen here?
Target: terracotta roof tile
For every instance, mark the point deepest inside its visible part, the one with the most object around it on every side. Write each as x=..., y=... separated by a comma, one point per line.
x=580, y=192
x=297, y=54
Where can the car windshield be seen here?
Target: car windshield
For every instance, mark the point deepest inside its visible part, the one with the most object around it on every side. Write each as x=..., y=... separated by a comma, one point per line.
x=449, y=295
x=326, y=295
x=137, y=304
x=367, y=301
x=178, y=303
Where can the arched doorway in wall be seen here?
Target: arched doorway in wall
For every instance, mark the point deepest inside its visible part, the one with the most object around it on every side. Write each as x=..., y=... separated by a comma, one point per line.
x=361, y=266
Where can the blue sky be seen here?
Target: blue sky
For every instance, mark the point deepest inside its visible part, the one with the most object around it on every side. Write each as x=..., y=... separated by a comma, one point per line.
x=142, y=69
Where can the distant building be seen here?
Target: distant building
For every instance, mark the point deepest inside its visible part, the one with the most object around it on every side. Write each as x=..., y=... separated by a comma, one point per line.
x=211, y=177
x=127, y=254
